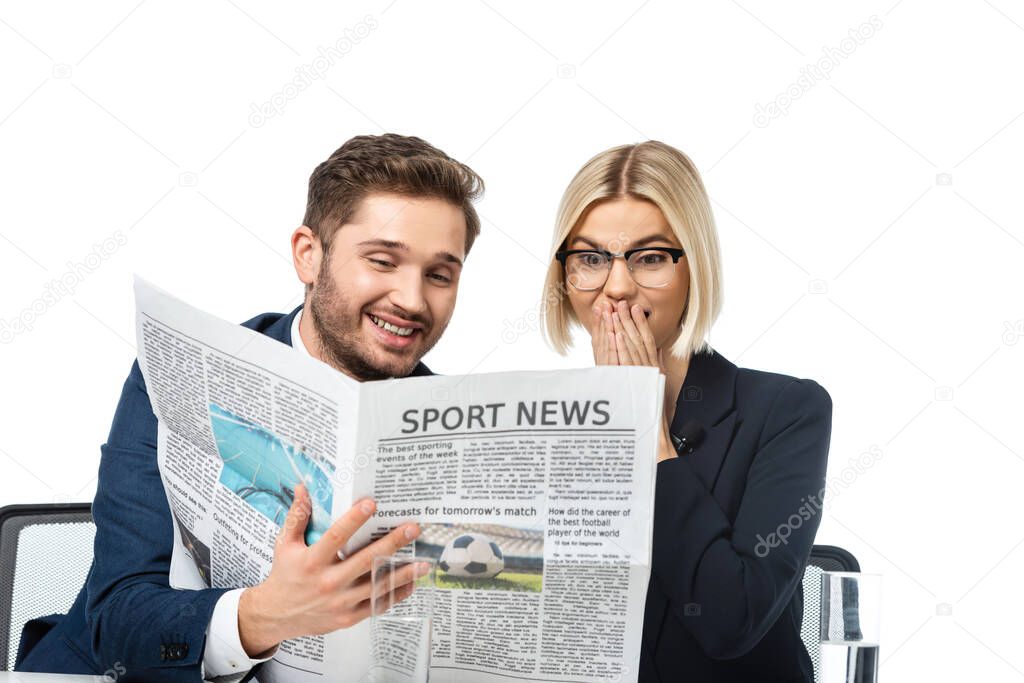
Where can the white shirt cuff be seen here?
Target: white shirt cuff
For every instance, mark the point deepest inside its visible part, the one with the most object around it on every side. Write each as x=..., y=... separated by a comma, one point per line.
x=224, y=654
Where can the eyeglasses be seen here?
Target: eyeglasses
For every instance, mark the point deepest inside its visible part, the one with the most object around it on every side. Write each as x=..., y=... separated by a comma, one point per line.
x=651, y=267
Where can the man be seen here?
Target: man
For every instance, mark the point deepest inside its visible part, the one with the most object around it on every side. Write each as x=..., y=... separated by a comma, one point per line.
x=389, y=221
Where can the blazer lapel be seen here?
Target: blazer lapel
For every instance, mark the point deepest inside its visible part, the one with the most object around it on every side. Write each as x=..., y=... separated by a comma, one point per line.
x=282, y=329
x=708, y=396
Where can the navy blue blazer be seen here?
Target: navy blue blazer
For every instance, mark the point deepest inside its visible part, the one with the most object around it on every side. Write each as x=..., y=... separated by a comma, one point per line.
x=734, y=522
x=127, y=620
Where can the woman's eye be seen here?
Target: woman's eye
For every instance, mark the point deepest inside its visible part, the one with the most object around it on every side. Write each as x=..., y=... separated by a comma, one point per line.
x=653, y=259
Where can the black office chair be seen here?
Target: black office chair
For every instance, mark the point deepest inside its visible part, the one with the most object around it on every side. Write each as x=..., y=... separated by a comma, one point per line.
x=45, y=554
x=824, y=558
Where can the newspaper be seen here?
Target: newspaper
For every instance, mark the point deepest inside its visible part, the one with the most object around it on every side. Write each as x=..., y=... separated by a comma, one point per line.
x=553, y=471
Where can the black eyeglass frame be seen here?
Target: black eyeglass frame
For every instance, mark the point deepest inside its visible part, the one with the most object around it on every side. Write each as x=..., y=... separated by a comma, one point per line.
x=610, y=256
x=676, y=254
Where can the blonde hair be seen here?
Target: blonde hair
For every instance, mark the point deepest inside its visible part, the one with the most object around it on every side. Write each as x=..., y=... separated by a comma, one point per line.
x=663, y=175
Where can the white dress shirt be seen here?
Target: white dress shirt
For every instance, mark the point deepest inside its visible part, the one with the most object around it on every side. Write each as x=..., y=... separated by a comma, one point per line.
x=224, y=659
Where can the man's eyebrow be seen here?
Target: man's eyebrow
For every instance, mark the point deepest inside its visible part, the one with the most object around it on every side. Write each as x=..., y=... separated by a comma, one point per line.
x=384, y=244
x=446, y=256
x=449, y=257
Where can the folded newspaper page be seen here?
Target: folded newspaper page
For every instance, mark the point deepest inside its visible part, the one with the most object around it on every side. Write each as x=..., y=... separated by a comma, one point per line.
x=534, y=491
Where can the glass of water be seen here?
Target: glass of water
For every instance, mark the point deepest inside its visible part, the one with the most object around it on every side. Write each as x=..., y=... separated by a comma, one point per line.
x=851, y=606
x=401, y=630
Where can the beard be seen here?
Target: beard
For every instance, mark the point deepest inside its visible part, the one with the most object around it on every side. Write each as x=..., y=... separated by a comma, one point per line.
x=342, y=345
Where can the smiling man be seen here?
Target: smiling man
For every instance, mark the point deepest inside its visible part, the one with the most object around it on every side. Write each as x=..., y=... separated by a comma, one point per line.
x=389, y=221
x=378, y=300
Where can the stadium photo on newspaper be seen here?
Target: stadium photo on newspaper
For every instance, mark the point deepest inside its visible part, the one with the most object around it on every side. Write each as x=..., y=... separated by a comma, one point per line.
x=263, y=469
x=484, y=556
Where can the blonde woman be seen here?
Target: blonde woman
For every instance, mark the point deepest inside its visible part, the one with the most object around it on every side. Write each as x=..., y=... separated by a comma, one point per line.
x=741, y=461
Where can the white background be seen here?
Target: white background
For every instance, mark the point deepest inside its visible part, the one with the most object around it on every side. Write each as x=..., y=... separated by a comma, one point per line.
x=870, y=238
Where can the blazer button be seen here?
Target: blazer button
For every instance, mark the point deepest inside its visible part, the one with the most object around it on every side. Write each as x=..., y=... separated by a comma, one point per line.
x=173, y=652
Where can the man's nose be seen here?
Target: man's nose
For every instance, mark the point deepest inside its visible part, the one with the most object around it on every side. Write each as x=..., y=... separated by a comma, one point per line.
x=620, y=284
x=408, y=292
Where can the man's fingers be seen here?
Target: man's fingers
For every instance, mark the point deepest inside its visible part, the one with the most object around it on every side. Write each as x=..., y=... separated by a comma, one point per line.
x=298, y=517
x=391, y=598
x=364, y=588
x=360, y=563
x=397, y=579
x=365, y=608
x=335, y=538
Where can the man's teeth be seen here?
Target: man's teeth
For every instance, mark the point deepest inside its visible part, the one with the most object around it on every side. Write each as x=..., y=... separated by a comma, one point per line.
x=393, y=329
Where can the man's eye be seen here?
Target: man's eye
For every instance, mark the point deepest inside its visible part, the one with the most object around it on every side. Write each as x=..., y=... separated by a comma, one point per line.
x=440, y=278
x=380, y=262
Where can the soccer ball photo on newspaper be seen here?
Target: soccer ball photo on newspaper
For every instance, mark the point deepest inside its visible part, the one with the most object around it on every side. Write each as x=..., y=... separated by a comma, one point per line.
x=472, y=556
x=484, y=556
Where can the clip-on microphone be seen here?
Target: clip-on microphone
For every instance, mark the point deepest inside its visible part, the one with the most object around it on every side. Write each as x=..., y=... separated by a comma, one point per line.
x=690, y=436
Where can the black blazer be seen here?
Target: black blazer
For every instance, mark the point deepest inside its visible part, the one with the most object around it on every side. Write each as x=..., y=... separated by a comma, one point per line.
x=734, y=522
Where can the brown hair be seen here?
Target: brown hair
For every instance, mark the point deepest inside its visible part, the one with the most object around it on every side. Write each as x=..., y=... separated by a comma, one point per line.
x=392, y=163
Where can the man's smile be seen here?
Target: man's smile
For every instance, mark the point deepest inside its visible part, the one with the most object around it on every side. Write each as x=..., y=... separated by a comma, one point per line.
x=395, y=333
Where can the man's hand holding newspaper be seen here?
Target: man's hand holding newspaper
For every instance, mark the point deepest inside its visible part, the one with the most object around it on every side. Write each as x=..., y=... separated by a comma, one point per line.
x=308, y=591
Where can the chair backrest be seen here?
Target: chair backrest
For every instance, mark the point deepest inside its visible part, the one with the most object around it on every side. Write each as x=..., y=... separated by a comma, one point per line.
x=824, y=558
x=45, y=554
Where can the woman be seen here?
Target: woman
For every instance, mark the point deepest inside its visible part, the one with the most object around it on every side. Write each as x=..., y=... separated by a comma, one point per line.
x=742, y=454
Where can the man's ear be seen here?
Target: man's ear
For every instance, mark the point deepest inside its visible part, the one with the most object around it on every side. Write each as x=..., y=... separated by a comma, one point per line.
x=306, y=254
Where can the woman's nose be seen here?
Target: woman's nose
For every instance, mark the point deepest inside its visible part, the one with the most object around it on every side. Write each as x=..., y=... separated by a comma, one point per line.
x=620, y=284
